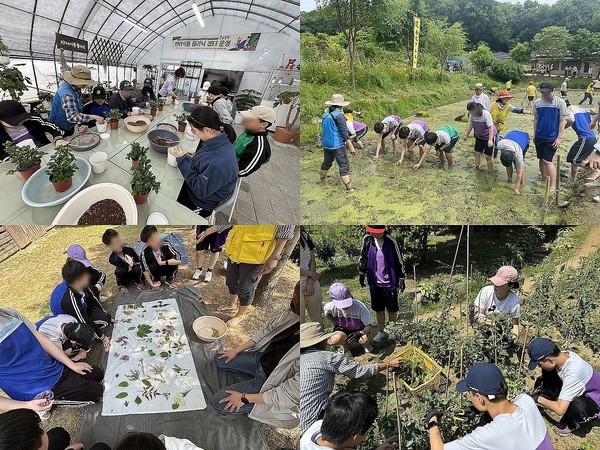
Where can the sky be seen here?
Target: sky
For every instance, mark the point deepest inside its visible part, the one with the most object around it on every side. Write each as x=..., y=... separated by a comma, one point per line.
x=309, y=5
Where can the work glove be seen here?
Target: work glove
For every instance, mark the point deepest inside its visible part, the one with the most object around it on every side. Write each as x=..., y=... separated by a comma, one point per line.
x=353, y=338
x=361, y=280
x=431, y=414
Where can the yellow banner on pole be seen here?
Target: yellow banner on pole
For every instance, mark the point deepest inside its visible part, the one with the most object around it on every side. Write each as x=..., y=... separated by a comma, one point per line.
x=417, y=30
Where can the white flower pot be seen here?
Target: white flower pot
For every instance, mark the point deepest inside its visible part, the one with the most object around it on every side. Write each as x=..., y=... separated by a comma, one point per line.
x=102, y=127
x=238, y=118
x=5, y=60
x=98, y=160
x=189, y=134
x=171, y=158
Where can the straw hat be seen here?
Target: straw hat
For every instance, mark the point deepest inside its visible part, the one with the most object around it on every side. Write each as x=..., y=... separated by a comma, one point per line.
x=79, y=76
x=337, y=100
x=503, y=93
x=312, y=333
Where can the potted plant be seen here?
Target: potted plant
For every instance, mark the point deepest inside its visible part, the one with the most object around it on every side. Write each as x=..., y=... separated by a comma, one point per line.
x=181, y=121
x=26, y=159
x=244, y=100
x=41, y=111
x=13, y=81
x=179, y=93
x=114, y=115
x=143, y=181
x=61, y=168
x=285, y=133
x=153, y=107
x=161, y=104
x=136, y=154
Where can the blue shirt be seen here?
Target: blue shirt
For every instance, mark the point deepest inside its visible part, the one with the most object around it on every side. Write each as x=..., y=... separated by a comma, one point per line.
x=520, y=137
x=97, y=110
x=581, y=122
x=25, y=368
x=56, y=299
x=548, y=116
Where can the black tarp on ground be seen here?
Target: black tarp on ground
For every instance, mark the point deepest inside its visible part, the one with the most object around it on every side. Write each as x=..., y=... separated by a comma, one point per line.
x=207, y=428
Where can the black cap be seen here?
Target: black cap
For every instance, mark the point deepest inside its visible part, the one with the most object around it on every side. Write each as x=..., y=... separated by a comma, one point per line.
x=82, y=333
x=13, y=113
x=546, y=87
x=484, y=379
x=148, y=82
x=538, y=349
x=99, y=93
x=126, y=86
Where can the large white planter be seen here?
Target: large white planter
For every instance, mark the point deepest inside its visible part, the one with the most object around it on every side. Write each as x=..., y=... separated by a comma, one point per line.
x=80, y=203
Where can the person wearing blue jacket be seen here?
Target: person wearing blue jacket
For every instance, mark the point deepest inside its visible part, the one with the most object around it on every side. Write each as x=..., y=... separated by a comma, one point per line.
x=97, y=106
x=335, y=137
x=211, y=173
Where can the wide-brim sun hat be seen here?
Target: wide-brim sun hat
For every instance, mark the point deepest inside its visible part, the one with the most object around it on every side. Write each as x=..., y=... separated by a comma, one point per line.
x=312, y=333
x=79, y=76
x=337, y=100
x=503, y=93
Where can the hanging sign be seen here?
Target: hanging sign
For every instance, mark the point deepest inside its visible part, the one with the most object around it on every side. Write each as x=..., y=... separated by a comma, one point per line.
x=71, y=44
x=227, y=42
x=417, y=30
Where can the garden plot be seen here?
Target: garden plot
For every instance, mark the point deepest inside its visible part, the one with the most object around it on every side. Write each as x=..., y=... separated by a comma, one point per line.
x=150, y=366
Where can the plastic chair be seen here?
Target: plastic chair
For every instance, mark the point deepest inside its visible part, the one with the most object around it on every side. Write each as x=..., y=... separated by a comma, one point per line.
x=226, y=204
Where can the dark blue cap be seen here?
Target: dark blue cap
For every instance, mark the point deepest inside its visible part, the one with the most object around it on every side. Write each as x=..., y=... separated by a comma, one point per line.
x=484, y=379
x=538, y=349
x=546, y=86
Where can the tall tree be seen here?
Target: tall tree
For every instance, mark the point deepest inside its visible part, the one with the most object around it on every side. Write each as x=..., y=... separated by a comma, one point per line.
x=481, y=57
x=584, y=46
x=268, y=282
x=521, y=53
x=443, y=40
x=552, y=43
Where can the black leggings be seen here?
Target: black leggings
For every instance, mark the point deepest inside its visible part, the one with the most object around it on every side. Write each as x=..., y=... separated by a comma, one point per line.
x=582, y=409
x=186, y=200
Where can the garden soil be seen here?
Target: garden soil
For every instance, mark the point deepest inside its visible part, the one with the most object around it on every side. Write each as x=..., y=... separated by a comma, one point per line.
x=438, y=195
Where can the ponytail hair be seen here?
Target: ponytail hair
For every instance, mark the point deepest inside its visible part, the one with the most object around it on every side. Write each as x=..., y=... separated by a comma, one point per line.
x=205, y=117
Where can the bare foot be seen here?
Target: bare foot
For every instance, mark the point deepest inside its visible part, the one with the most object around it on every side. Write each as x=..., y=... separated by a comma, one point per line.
x=234, y=321
x=224, y=308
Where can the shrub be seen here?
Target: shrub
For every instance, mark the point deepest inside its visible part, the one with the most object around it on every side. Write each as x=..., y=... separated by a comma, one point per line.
x=506, y=70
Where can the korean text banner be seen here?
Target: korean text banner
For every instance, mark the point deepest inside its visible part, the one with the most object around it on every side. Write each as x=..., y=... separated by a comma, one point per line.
x=227, y=42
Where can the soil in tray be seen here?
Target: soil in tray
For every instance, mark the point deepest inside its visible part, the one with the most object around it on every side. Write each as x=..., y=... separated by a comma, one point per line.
x=138, y=123
x=104, y=212
x=164, y=142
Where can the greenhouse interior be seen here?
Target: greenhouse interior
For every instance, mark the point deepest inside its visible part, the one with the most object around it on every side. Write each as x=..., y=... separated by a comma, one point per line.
x=109, y=107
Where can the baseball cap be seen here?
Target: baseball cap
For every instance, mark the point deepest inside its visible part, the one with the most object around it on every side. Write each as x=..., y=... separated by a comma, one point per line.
x=484, y=379
x=260, y=112
x=538, y=349
x=99, y=93
x=340, y=294
x=148, y=82
x=13, y=113
x=79, y=332
x=126, y=86
x=546, y=87
x=505, y=275
x=479, y=86
x=506, y=158
x=77, y=252
x=375, y=228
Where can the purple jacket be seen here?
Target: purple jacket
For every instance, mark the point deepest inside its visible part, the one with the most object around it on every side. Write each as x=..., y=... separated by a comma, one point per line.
x=393, y=260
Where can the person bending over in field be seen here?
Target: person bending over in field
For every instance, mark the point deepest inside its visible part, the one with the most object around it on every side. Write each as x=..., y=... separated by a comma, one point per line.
x=444, y=141
x=580, y=119
x=513, y=149
x=413, y=134
x=514, y=425
x=569, y=385
x=390, y=126
x=481, y=121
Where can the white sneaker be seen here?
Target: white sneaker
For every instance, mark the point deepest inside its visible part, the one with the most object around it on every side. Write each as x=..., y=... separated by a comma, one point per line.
x=197, y=274
x=103, y=298
x=225, y=264
x=380, y=336
x=208, y=276
x=44, y=415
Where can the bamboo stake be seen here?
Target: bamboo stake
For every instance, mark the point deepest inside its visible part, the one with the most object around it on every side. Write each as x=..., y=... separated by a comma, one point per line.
x=557, y=175
x=399, y=425
x=546, y=192
x=523, y=352
x=467, y=301
x=461, y=373
x=448, y=377
x=416, y=299
x=387, y=389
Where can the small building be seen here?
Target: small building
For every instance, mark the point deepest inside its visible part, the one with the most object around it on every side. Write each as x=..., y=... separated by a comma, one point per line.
x=540, y=65
x=501, y=56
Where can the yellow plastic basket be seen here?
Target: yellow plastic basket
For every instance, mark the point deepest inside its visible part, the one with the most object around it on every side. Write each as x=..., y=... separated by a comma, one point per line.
x=432, y=368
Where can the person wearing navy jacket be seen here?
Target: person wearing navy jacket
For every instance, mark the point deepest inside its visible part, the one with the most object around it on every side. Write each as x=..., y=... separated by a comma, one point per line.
x=125, y=259
x=212, y=172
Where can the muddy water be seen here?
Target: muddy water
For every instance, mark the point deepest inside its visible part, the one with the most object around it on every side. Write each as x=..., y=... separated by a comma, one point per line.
x=436, y=194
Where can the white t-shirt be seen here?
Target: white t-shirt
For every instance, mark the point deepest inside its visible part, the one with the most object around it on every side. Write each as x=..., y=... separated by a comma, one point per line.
x=354, y=318
x=350, y=126
x=416, y=131
x=506, y=145
x=563, y=86
x=443, y=137
x=308, y=441
x=51, y=328
x=575, y=374
x=524, y=429
x=487, y=300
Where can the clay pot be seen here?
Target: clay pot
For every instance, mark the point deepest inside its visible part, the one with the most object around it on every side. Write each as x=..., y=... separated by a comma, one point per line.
x=63, y=185
x=114, y=124
x=134, y=164
x=153, y=112
x=284, y=136
x=25, y=174
x=160, y=108
x=140, y=199
x=181, y=126
x=296, y=139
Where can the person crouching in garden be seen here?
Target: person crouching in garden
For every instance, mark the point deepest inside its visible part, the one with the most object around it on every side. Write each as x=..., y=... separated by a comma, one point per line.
x=481, y=121
x=513, y=149
x=569, y=385
x=580, y=120
x=356, y=129
x=446, y=138
x=413, y=134
x=211, y=173
x=389, y=126
x=382, y=264
x=335, y=137
x=515, y=424
x=350, y=317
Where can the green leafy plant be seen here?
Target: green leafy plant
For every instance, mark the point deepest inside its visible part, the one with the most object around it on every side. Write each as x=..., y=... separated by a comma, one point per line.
x=3, y=47
x=114, y=114
x=144, y=180
x=24, y=158
x=161, y=102
x=246, y=99
x=62, y=165
x=506, y=70
x=286, y=97
x=154, y=104
x=181, y=118
x=13, y=82
x=45, y=96
x=137, y=152
x=179, y=92
x=41, y=109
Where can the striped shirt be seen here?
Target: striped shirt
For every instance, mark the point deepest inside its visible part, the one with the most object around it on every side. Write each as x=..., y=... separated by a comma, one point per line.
x=221, y=108
x=318, y=369
x=167, y=89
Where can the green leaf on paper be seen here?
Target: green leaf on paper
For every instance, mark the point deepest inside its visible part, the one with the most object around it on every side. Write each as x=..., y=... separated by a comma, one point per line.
x=151, y=352
x=138, y=400
x=164, y=354
x=175, y=406
x=146, y=383
x=123, y=384
x=122, y=395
